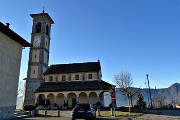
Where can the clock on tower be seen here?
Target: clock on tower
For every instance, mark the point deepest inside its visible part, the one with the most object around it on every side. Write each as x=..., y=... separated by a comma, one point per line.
x=38, y=55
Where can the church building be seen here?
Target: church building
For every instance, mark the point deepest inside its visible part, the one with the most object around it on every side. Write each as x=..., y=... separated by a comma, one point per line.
x=61, y=84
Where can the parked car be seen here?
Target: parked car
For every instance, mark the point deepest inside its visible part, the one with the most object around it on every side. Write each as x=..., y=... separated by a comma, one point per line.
x=83, y=111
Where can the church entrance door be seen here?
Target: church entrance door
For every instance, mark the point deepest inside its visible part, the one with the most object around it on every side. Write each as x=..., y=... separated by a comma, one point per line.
x=73, y=102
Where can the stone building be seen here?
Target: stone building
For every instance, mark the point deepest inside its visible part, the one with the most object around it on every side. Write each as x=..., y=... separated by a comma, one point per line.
x=72, y=83
x=11, y=45
x=38, y=55
x=63, y=83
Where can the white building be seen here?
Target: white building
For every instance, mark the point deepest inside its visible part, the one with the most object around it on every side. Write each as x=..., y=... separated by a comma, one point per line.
x=11, y=45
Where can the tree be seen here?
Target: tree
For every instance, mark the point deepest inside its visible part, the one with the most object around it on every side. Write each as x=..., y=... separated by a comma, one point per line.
x=20, y=88
x=159, y=101
x=124, y=81
x=140, y=103
x=20, y=91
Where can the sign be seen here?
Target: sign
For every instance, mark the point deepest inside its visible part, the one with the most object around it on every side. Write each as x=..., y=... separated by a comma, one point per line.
x=113, y=94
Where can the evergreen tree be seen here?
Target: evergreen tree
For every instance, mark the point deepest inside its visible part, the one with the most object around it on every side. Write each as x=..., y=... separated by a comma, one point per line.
x=140, y=103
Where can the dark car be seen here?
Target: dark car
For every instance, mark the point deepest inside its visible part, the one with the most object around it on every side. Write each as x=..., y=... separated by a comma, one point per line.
x=83, y=111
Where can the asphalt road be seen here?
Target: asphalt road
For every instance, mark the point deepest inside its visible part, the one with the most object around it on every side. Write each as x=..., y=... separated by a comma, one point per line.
x=66, y=115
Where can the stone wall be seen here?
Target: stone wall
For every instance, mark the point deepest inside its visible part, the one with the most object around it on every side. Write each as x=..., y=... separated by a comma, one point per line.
x=7, y=112
x=10, y=60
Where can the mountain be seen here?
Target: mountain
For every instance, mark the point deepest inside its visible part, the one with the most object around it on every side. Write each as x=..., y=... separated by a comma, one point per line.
x=170, y=95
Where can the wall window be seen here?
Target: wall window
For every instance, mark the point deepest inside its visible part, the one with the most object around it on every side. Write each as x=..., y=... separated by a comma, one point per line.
x=63, y=78
x=34, y=72
x=76, y=77
x=56, y=78
x=47, y=30
x=46, y=43
x=50, y=78
x=38, y=27
x=89, y=76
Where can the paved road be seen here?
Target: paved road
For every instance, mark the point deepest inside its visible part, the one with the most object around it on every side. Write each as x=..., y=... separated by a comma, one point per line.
x=66, y=115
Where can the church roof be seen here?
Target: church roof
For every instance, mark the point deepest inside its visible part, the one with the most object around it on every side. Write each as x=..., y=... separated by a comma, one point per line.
x=74, y=86
x=43, y=14
x=7, y=31
x=74, y=68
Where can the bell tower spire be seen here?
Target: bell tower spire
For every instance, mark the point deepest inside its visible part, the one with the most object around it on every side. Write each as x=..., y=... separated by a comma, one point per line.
x=43, y=10
x=38, y=55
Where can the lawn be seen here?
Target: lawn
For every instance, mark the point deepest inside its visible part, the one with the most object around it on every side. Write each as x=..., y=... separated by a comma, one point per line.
x=119, y=113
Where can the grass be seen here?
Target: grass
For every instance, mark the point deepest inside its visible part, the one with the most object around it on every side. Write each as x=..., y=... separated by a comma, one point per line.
x=119, y=113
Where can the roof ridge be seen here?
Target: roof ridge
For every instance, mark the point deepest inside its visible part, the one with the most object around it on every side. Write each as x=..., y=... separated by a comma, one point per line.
x=72, y=63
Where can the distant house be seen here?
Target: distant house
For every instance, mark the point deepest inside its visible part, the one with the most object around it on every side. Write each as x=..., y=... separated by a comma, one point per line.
x=68, y=84
x=177, y=105
x=11, y=45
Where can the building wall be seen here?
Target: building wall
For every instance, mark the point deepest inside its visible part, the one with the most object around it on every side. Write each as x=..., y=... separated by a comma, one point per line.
x=71, y=77
x=10, y=60
x=35, y=56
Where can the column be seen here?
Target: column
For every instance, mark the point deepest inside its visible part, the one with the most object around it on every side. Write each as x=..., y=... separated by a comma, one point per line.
x=77, y=99
x=36, y=99
x=55, y=98
x=87, y=99
x=98, y=99
x=65, y=99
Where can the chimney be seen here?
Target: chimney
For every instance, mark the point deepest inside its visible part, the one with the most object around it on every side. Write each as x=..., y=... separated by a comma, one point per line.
x=7, y=25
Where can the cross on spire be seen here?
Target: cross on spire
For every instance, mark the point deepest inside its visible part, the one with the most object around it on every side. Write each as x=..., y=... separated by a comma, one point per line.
x=43, y=10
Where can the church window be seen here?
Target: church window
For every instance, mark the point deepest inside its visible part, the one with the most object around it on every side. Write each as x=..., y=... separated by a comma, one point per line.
x=38, y=27
x=46, y=43
x=76, y=77
x=90, y=76
x=47, y=30
x=63, y=78
x=50, y=78
x=35, y=55
x=56, y=78
x=34, y=72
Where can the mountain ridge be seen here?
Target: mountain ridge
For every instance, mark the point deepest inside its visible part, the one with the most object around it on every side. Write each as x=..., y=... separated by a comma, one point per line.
x=163, y=96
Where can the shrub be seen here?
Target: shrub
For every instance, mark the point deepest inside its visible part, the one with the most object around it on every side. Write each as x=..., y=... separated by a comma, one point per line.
x=98, y=104
x=110, y=105
x=29, y=107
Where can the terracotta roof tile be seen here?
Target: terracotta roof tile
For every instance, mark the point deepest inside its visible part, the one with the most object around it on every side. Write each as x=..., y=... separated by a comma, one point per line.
x=74, y=67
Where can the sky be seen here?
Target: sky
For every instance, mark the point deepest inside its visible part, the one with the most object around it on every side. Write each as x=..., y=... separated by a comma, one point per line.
x=137, y=36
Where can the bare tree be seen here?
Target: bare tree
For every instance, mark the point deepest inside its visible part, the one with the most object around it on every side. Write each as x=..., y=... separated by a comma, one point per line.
x=20, y=88
x=159, y=101
x=20, y=94
x=124, y=81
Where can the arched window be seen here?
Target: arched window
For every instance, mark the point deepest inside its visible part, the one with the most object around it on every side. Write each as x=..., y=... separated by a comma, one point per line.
x=38, y=27
x=47, y=30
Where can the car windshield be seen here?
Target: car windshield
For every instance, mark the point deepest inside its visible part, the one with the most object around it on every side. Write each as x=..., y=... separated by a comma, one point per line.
x=82, y=106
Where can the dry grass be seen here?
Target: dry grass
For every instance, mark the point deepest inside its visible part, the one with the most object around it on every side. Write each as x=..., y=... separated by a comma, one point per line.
x=119, y=113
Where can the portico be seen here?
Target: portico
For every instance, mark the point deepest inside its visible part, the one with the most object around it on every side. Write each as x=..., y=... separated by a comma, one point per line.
x=68, y=84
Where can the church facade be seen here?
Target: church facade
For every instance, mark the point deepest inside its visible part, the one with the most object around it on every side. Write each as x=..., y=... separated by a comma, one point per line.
x=68, y=84
x=61, y=84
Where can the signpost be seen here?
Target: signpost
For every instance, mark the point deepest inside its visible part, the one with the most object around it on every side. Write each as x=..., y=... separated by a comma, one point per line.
x=113, y=97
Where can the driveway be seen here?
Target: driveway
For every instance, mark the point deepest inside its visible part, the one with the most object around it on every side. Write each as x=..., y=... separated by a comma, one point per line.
x=66, y=115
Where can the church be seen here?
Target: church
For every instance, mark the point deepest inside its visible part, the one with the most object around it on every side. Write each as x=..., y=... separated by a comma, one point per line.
x=60, y=84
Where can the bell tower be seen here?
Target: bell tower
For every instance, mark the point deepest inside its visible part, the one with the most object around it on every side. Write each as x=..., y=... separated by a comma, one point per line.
x=38, y=55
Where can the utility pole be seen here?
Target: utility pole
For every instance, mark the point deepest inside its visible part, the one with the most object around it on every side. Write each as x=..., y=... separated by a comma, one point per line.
x=149, y=91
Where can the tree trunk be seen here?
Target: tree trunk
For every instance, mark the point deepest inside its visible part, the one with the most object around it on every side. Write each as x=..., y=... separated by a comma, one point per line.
x=129, y=103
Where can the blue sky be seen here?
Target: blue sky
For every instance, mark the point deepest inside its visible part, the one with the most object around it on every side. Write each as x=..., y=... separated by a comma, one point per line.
x=138, y=36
